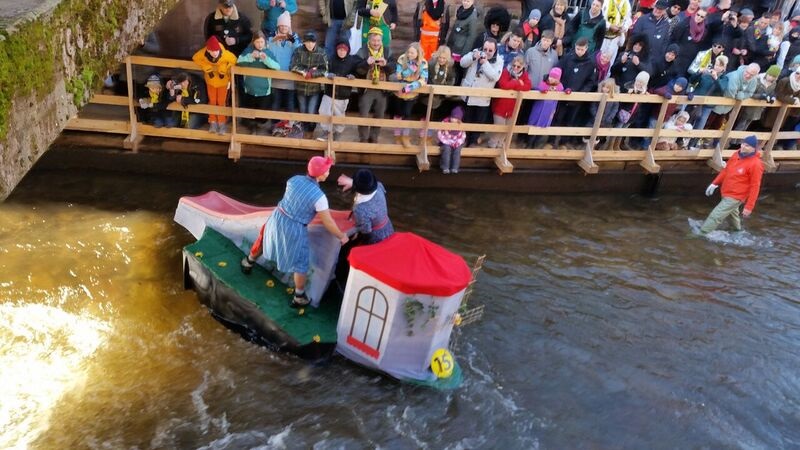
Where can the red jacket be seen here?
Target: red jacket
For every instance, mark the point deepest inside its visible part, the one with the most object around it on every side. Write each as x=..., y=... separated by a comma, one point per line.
x=504, y=107
x=741, y=179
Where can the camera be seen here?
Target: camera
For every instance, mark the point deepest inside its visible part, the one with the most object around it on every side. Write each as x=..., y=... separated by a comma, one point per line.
x=483, y=54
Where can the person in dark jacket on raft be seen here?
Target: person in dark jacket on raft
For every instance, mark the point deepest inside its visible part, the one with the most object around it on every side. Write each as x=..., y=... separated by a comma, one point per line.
x=369, y=206
x=284, y=238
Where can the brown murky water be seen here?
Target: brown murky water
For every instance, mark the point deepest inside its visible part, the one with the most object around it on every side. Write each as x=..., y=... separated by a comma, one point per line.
x=606, y=327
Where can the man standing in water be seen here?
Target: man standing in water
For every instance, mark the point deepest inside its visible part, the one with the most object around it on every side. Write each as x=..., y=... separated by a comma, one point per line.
x=741, y=181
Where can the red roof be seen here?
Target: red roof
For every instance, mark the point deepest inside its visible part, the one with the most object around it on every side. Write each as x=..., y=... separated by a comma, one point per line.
x=412, y=264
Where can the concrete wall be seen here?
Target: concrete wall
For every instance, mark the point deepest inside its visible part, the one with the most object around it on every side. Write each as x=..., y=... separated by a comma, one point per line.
x=54, y=53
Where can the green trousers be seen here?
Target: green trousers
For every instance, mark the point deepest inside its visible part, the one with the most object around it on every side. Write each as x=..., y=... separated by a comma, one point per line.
x=728, y=207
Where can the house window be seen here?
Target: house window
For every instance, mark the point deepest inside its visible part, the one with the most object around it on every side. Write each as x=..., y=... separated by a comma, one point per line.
x=369, y=322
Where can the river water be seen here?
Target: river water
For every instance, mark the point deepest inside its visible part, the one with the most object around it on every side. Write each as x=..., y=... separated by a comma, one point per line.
x=606, y=326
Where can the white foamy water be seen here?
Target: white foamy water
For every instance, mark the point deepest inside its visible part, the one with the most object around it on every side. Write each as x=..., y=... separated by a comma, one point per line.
x=43, y=356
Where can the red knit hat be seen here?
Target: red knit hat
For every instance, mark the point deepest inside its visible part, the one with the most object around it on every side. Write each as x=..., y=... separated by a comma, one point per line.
x=212, y=44
x=318, y=165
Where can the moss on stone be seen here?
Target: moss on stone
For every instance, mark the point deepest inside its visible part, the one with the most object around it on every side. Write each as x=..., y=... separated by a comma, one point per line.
x=31, y=58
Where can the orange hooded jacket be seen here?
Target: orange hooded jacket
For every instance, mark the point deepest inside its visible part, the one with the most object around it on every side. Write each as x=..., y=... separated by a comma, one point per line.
x=741, y=178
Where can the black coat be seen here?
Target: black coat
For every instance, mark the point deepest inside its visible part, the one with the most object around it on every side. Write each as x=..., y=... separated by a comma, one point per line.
x=578, y=73
x=688, y=49
x=342, y=67
x=657, y=32
x=239, y=29
x=662, y=71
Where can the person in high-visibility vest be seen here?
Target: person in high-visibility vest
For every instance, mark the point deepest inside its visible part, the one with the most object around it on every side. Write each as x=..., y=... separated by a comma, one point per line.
x=432, y=19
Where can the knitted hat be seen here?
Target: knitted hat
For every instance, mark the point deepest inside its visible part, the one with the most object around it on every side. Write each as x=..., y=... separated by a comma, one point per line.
x=343, y=43
x=457, y=113
x=317, y=166
x=662, y=4
x=774, y=70
x=364, y=182
x=535, y=14
x=751, y=140
x=153, y=82
x=555, y=72
x=212, y=44
x=375, y=30
x=673, y=48
x=747, y=12
x=309, y=36
x=682, y=82
x=285, y=19
x=643, y=77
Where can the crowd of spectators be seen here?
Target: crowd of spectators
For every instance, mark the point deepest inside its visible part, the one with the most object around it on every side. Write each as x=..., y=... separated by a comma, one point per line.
x=665, y=48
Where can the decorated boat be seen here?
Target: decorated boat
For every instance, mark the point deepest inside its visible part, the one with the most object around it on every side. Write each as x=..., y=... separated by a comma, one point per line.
x=401, y=299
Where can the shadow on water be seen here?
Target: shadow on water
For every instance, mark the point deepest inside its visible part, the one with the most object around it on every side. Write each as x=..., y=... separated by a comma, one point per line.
x=605, y=327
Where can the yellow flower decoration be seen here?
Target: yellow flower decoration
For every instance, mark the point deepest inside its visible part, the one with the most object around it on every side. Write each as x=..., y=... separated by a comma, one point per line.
x=222, y=264
x=290, y=290
x=270, y=284
x=301, y=311
x=457, y=319
x=198, y=254
x=317, y=338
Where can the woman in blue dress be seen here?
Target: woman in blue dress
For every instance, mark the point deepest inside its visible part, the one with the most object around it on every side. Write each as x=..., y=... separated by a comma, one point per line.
x=284, y=238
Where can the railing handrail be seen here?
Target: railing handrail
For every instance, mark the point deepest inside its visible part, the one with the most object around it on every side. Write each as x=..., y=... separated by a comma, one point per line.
x=585, y=157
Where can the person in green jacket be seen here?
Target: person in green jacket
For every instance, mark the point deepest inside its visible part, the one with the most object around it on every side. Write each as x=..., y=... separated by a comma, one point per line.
x=257, y=89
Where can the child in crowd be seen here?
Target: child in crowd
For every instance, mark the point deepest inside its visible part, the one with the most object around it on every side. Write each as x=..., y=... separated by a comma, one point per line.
x=309, y=61
x=343, y=64
x=216, y=63
x=153, y=102
x=608, y=87
x=257, y=89
x=186, y=90
x=631, y=114
x=531, y=29
x=412, y=71
x=679, y=122
x=451, y=143
x=441, y=72
x=543, y=110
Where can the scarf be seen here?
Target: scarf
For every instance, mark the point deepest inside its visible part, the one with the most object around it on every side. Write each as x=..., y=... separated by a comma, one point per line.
x=440, y=72
x=617, y=12
x=435, y=8
x=696, y=30
x=184, y=111
x=462, y=13
x=376, y=69
x=602, y=69
x=374, y=21
x=794, y=83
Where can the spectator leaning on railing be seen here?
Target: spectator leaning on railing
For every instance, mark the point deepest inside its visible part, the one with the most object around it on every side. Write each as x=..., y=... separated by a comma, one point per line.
x=186, y=89
x=376, y=65
x=343, y=64
x=483, y=68
x=216, y=63
x=412, y=72
x=309, y=61
x=257, y=89
x=281, y=45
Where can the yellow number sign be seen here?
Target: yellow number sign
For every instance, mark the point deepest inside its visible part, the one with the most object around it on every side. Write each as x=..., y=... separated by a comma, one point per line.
x=442, y=363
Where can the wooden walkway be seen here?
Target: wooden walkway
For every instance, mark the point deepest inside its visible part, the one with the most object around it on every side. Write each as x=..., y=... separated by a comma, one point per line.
x=241, y=143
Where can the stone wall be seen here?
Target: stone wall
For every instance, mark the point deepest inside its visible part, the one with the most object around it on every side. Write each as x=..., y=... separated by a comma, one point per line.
x=51, y=55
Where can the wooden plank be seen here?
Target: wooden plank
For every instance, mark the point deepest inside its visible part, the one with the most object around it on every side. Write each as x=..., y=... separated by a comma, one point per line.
x=502, y=161
x=182, y=133
x=115, y=100
x=99, y=125
x=723, y=141
x=649, y=161
x=587, y=162
x=132, y=141
x=163, y=62
x=235, y=149
x=769, y=160
x=423, y=163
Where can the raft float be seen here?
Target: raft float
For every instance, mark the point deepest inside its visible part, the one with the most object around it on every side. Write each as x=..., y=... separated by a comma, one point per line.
x=401, y=301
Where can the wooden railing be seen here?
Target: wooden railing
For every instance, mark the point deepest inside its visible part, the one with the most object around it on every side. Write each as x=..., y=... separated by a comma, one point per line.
x=586, y=158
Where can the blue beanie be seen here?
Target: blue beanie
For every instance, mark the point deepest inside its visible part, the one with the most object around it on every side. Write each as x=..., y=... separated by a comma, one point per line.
x=751, y=140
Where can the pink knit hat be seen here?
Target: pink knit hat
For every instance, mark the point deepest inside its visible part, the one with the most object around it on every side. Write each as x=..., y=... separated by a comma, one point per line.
x=555, y=72
x=318, y=165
